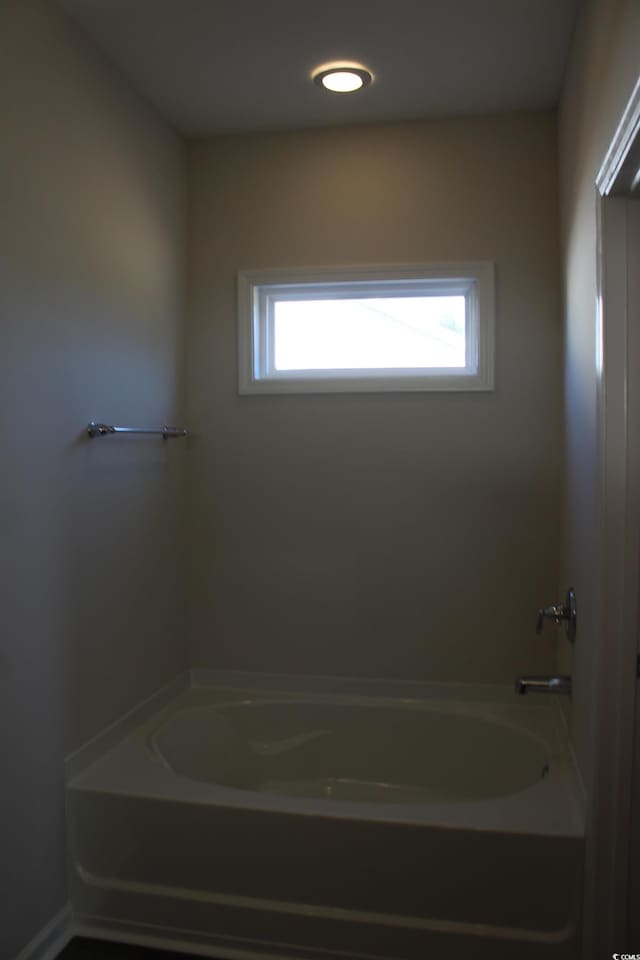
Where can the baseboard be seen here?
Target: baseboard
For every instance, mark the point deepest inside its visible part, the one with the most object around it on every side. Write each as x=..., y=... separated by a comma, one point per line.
x=51, y=940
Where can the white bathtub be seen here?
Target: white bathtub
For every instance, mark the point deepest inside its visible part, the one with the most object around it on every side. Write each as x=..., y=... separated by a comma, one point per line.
x=334, y=819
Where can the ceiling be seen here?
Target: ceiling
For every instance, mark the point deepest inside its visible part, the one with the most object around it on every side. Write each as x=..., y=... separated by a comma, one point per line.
x=221, y=66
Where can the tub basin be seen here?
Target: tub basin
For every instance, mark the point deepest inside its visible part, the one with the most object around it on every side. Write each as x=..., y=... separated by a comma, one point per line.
x=353, y=753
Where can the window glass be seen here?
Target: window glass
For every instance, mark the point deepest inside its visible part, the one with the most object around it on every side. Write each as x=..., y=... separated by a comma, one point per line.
x=380, y=333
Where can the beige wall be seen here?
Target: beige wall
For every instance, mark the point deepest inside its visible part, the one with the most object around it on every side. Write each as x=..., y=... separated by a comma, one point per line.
x=91, y=247
x=396, y=535
x=603, y=69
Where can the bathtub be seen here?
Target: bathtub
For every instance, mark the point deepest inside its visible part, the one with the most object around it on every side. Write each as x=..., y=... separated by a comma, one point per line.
x=270, y=817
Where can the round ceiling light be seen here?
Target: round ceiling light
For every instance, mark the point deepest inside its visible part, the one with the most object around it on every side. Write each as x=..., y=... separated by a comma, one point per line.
x=342, y=77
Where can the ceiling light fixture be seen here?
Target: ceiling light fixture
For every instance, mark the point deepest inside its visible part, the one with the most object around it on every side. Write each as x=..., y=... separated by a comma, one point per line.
x=342, y=77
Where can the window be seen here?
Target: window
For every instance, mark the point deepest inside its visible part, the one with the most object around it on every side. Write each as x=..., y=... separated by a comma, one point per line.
x=333, y=330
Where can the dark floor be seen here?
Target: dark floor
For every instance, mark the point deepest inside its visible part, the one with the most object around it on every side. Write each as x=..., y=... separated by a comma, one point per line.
x=81, y=949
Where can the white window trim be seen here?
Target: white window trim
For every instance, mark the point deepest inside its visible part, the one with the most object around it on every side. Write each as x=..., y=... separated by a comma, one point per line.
x=256, y=288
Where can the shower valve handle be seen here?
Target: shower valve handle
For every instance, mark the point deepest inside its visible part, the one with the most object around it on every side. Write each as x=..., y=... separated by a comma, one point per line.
x=559, y=612
x=556, y=612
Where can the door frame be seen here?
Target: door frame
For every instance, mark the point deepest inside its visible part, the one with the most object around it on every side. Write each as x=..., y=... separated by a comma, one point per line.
x=607, y=864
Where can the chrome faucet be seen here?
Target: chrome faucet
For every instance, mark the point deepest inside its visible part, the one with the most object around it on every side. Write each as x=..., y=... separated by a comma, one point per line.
x=560, y=684
x=558, y=613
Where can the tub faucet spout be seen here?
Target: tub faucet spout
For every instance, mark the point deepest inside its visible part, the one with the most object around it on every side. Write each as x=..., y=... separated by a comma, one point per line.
x=560, y=684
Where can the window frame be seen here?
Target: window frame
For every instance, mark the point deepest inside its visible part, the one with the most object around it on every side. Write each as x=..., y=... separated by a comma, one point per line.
x=258, y=290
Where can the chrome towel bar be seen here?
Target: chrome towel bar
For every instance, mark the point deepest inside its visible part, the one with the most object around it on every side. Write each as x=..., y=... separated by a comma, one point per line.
x=103, y=429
